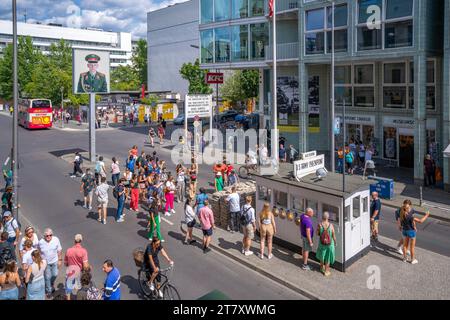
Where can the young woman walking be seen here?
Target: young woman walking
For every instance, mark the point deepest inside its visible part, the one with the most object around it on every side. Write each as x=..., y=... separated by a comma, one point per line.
x=134, y=185
x=169, y=194
x=267, y=228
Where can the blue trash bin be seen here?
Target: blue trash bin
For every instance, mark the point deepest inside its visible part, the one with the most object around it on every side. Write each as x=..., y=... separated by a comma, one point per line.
x=384, y=187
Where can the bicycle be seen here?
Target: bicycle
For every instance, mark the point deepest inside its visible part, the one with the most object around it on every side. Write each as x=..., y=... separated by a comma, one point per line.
x=168, y=290
x=247, y=170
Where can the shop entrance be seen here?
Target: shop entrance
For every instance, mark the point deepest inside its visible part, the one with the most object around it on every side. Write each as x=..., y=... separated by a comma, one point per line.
x=406, y=151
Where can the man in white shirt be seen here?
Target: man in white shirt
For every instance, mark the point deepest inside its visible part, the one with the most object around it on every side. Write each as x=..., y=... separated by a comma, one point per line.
x=51, y=251
x=235, y=208
x=249, y=226
x=102, y=199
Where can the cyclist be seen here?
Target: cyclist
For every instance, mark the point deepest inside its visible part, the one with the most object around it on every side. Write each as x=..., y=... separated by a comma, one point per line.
x=151, y=262
x=251, y=160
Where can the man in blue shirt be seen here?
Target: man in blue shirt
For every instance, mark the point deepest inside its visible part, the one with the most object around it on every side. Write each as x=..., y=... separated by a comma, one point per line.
x=375, y=213
x=111, y=291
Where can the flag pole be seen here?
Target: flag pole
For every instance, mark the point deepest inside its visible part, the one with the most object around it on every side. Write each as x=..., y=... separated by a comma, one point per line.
x=275, y=144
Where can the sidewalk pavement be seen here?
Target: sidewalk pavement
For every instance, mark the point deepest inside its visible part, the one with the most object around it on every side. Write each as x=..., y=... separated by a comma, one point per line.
x=427, y=280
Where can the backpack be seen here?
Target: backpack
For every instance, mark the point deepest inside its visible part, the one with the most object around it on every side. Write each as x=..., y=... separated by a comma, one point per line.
x=245, y=218
x=5, y=256
x=81, y=160
x=325, y=237
x=116, y=192
x=93, y=293
x=349, y=157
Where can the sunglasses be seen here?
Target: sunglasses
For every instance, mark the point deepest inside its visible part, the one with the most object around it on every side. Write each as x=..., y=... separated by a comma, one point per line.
x=48, y=235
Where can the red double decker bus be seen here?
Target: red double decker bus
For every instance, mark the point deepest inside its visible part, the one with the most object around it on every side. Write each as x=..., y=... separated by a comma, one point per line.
x=35, y=113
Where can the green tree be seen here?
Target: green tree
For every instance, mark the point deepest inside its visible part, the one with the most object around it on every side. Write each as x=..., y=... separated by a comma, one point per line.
x=124, y=78
x=196, y=77
x=27, y=57
x=139, y=60
x=242, y=85
x=151, y=100
x=250, y=83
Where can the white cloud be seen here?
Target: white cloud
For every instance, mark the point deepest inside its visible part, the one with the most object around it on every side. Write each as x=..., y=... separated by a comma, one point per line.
x=114, y=15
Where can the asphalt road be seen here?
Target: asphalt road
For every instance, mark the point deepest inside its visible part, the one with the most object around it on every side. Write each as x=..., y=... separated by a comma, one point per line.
x=49, y=197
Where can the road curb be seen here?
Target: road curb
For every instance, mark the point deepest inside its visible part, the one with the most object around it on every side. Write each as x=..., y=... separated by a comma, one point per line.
x=263, y=272
x=420, y=211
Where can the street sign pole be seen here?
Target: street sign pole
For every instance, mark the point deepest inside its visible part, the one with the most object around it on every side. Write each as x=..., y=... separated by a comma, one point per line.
x=15, y=153
x=92, y=127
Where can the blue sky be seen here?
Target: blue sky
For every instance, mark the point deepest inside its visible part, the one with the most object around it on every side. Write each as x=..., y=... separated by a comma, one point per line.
x=115, y=15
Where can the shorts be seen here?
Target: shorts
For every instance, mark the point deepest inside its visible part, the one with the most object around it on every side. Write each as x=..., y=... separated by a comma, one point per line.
x=208, y=233
x=266, y=230
x=88, y=193
x=191, y=224
x=249, y=232
x=306, y=245
x=409, y=234
x=374, y=226
x=150, y=272
x=102, y=204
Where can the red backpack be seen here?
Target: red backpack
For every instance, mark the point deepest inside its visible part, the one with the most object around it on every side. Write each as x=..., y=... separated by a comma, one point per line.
x=325, y=237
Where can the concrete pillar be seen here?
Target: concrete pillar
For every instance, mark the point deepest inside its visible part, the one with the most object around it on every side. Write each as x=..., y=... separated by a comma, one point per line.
x=446, y=97
x=303, y=108
x=420, y=110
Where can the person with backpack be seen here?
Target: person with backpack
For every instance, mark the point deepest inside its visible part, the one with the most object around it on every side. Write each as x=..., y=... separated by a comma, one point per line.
x=307, y=232
x=100, y=170
x=87, y=188
x=233, y=201
x=7, y=199
x=349, y=158
x=120, y=194
x=11, y=226
x=326, y=250
x=248, y=222
x=7, y=250
x=77, y=162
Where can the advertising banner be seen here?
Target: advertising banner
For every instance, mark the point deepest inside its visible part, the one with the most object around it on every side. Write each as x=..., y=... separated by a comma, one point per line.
x=90, y=71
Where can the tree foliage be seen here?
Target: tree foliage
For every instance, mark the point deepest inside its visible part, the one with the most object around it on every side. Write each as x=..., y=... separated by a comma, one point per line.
x=242, y=85
x=124, y=78
x=150, y=100
x=196, y=77
x=139, y=61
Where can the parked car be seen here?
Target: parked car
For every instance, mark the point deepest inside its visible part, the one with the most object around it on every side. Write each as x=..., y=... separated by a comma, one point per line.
x=179, y=120
x=225, y=116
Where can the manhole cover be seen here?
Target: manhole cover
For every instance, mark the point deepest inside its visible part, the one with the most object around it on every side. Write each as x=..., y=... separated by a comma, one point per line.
x=60, y=153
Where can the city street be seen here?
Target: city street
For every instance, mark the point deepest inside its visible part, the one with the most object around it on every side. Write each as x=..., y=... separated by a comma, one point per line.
x=50, y=198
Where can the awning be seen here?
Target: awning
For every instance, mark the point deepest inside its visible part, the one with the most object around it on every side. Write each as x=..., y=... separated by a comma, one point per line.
x=447, y=152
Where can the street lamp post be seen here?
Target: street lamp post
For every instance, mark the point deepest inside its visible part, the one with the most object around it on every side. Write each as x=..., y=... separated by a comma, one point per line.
x=62, y=107
x=15, y=115
x=332, y=115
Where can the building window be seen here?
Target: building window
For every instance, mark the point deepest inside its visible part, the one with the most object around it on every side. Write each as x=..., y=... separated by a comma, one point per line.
x=390, y=143
x=318, y=26
x=222, y=10
x=240, y=43
x=431, y=85
x=239, y=9
x=257, y=8
x=394, y=85
x=259, y=39
x=364, y=86
x=333, y=212
x=222, y=44
x=396, y=24
x=207, y=46
x=281, y=199
x=298, y=204
x=343, y=85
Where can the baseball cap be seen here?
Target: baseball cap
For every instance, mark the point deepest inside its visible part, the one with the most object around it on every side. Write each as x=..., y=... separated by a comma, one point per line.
x=78, y=238
x=7, y=214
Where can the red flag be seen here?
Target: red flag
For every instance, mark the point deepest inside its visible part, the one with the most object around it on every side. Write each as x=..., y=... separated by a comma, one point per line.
x=143, y=91
x=271, y=8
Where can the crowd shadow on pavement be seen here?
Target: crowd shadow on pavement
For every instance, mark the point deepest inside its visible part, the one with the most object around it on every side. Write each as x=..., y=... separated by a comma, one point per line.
x=143, y=233
x=180, y=237
x=132, y=284
x=78, y=203
x=386, y=250
x=93, y=214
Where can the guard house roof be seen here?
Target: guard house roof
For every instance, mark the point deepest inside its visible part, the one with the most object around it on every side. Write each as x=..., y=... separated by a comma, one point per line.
x=331, y=184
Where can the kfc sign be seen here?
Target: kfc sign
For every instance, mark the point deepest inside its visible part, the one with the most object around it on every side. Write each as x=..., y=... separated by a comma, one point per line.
x=214, y=78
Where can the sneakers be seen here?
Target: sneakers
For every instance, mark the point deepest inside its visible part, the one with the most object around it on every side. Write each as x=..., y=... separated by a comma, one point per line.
x=162, y=240
x=261, y=256
x=160, y=294
x=399, y=250
x=248, y=253
x=120, y=220
x=243, y=251
x=404, y=260
x=104, y=221
x=173, y=211
x=73, y=176
x=270, y=256
x=152, y=287
x=167, y=214
x=90, y=208
x=85, y=206
x=414, y=261
x=306, y=267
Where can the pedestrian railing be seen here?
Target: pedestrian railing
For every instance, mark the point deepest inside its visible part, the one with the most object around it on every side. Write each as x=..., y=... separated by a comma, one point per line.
x=285, y=51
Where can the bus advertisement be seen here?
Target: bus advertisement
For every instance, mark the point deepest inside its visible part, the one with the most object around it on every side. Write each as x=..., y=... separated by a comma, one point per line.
x=35, y=113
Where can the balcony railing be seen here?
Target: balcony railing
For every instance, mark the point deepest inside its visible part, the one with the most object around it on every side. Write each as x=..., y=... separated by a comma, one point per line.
x=285, y=51
x=285, y=5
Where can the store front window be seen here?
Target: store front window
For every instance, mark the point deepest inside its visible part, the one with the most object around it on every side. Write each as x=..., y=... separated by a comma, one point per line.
x=390, y=143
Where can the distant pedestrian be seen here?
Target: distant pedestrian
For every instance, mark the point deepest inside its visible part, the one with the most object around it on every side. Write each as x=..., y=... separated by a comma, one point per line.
x=430, y=171
x=99, y=122
x=154, y=220
x=111, y=290
x=102, y=200
x=115, y=171
x=233, y=178
x=200, y=200
x=234, y=201
x=181, y=182
x=134, y=185
x=282, y=153
x=7, y=204
x=206, y=217
x=409, y=229
x=120, y=192
x=248, y=222
x=292, y=154
x=100, y=170
x=349, y=159
x=362, y=154
x=7, y=175
x=327, y=243
x=268, y=229
x=189, y=218
x=169, y=194
x=10, y=282
x=11, y=226
x=218, y=182
x=75, y=260
x=51, y=250
x=151, y=136
x=77, y=162
x=161, y=133
x=35, y=277
x=375, y=213
x=164, y=123
x=307, y=232
x=87, y=188
x=193, y=171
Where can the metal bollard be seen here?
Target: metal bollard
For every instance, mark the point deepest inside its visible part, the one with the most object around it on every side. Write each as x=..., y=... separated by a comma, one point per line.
x=421, y=196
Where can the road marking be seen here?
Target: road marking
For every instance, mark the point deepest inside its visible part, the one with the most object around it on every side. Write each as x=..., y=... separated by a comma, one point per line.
x=167, y=221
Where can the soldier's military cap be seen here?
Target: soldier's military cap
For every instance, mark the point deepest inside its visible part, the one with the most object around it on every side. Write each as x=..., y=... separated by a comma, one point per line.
x=92, y=58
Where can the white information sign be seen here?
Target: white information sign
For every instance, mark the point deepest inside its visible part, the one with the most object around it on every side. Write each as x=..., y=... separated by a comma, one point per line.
x=198, y=105
x=302, y=168
x=307, y=155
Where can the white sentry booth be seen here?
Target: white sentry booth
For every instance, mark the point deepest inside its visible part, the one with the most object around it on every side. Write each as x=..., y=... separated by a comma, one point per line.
x=352, y=224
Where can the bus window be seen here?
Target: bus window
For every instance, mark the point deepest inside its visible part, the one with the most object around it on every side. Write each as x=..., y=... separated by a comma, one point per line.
x=356, y=207
x=312, y=204
x=264, y=193
x=298, y=203
x=366, y=204
x=333, y=211
x=41, y=104
x=281, y=199
x=347, y=214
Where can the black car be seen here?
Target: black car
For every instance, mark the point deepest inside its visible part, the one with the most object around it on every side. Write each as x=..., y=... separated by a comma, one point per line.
x=225, y=116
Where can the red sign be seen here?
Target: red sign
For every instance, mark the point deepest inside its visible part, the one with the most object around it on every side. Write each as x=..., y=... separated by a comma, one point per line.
x=214, y=78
